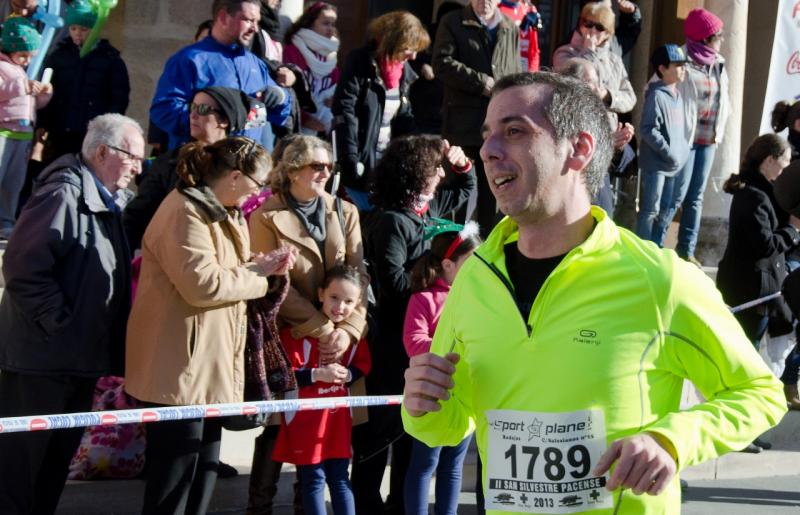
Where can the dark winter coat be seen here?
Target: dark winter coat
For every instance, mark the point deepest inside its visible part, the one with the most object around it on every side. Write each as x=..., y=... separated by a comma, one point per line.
x=68, y=280
x=358, y=110
x=394, y=244
x=84, y=88
x=463, y=59
x=753, y=265
x=156, y=184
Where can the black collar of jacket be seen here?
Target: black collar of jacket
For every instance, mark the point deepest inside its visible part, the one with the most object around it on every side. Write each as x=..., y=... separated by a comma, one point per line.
x=470, y=19
x=206, y=200
x=757, y=180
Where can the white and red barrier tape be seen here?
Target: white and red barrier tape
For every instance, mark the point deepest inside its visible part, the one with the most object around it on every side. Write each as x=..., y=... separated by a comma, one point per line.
x=134, y=416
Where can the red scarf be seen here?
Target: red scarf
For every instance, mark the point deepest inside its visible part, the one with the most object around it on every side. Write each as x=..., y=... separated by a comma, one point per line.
x=391, y=72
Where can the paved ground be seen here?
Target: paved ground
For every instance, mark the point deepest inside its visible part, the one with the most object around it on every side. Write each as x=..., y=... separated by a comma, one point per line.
x=762, y=496
x=725, y=485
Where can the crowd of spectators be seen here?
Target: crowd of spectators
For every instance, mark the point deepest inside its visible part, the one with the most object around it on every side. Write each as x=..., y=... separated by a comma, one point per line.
x=218, y=223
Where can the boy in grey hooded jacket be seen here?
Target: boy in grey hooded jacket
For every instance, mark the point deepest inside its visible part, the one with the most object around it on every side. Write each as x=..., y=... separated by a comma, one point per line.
x=665, y=143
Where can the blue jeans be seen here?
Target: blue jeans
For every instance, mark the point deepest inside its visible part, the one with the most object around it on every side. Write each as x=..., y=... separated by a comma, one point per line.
x=690, y=184
x=313, y=479
x=657, y=190
x=790, y=372
x=448, y=463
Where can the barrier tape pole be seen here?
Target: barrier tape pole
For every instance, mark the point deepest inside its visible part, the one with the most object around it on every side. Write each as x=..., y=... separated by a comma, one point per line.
x=756, y=302
x=140, y=415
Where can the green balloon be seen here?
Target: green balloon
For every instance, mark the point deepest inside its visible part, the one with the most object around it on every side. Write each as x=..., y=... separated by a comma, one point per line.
x=102, y=8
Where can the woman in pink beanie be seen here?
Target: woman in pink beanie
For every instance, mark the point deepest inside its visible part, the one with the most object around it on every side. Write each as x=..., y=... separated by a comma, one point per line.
x=705, y=96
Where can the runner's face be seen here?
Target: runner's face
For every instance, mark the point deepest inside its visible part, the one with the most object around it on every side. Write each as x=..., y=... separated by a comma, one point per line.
x=524, y=162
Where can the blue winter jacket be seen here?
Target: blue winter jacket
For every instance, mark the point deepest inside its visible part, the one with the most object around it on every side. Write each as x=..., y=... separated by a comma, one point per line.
x=209, y=63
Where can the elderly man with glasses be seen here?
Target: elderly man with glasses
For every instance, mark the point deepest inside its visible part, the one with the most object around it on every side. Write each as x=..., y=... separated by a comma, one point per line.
x=65, y=307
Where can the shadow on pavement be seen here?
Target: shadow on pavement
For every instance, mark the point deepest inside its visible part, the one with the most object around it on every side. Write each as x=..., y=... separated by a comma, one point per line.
x=742, y=496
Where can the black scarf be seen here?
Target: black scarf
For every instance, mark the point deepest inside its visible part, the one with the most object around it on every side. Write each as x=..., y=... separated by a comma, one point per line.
x=270, y=21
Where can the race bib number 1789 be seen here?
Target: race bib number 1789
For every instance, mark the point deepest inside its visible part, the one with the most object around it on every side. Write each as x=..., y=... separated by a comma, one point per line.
x=542, y=462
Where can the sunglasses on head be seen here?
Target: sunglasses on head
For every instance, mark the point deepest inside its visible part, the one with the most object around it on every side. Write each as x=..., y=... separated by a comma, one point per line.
x=589, y=24
x=202, y=109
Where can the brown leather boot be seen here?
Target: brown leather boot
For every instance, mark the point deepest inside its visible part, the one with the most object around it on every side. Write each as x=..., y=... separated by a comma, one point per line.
x=792, y=397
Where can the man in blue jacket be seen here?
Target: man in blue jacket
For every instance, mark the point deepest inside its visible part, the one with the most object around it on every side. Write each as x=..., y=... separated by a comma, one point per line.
x=221, y=59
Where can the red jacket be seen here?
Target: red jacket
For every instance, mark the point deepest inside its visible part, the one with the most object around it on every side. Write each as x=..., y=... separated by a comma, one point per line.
x=310, y=437
x=528, y=38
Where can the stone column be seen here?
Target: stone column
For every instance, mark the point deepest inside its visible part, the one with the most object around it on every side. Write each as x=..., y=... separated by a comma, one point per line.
x=716, y=203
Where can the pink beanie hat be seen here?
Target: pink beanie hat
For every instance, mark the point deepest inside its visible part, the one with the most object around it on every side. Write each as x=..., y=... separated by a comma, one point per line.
x=701, y=24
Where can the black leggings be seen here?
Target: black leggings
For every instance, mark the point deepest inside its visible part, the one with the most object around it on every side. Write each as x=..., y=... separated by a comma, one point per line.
x=182, y=460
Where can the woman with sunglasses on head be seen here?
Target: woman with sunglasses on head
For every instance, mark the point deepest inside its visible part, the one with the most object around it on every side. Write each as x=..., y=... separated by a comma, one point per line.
x=325, y=233
x=592, y=41
x=186, y=332
x=706, y=106
x=214, y=113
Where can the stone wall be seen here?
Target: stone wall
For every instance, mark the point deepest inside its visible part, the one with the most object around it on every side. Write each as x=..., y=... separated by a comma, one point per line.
x=147, y=32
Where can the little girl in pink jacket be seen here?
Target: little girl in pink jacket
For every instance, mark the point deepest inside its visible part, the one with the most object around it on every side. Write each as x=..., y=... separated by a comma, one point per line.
x=430, y=280
x=19, y=100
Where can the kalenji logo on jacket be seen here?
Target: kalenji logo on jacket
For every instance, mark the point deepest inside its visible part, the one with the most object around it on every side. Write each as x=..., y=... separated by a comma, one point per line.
x=587, y=336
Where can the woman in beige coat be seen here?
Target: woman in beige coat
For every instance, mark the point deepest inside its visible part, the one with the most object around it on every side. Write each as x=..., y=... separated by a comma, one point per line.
x=186, y=332
x=301, y=215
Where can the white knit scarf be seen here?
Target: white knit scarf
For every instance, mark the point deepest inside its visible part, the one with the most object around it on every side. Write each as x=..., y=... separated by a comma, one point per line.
x=312, y=45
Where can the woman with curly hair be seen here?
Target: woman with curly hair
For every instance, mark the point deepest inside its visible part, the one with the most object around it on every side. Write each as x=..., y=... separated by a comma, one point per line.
x=407, y=191
x=370, y=105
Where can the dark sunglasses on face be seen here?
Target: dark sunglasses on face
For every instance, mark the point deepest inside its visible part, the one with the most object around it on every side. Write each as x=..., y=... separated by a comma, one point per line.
x=202, y=109
x=320, y=167
x=593, y=25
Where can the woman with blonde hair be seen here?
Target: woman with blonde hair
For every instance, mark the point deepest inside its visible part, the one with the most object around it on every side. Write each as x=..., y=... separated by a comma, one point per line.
x=325, y=232
x=370, y=105
x=186, y=332
x=592, y=41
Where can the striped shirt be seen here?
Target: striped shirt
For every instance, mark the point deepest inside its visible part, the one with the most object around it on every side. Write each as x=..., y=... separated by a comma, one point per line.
x=708, y=99
x=390, y=108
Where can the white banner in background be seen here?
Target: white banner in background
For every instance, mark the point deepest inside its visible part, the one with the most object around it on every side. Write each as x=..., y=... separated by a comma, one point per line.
x=784, y=68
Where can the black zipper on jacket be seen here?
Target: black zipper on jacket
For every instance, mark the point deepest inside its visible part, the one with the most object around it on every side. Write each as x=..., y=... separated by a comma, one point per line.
x=509, y=287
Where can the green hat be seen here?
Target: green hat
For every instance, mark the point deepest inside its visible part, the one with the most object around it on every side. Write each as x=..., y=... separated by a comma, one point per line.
x=79, y=12
x=20, y=35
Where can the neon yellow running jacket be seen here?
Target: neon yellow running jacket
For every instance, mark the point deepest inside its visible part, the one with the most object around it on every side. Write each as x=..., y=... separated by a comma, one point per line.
x=616, y=328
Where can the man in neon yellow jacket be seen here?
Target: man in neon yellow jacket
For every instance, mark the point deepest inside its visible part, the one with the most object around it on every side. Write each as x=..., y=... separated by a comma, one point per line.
x=565, y=340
